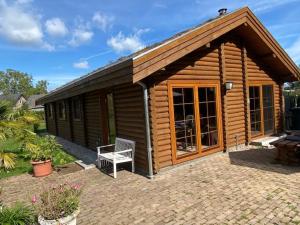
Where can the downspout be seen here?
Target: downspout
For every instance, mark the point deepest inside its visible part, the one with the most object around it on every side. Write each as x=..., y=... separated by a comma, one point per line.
x=148, y=134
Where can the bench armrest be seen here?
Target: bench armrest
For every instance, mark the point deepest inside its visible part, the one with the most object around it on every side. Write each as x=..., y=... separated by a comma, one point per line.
x=103, y=146
x=124, y=151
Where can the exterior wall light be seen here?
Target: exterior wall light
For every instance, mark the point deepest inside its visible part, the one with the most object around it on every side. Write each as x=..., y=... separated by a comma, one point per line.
x=228, y=86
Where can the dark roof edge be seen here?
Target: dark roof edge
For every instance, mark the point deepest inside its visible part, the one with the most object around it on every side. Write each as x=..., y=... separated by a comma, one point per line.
x=96, y=74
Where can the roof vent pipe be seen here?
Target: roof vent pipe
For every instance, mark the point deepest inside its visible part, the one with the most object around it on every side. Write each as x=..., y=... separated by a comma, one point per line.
x=222, y=11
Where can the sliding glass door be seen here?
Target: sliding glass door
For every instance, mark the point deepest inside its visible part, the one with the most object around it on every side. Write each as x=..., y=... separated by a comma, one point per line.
x=261, y=109
x=194, y=116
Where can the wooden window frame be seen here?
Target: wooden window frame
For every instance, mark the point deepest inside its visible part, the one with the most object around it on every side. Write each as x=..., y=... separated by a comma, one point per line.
x=64, y=105
x=260, y=84
x=50, y=111
x=79, y=108
x=195, y=85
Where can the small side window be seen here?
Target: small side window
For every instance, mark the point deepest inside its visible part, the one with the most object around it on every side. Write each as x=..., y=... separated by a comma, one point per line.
x=50, y=111
x=76, y=109
x=62, y=110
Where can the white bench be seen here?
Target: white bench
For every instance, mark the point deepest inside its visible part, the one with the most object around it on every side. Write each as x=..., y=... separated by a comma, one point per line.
x=123, y=152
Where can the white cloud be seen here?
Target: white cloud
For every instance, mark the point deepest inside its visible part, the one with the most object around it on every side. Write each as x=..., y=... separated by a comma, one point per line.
x=159, y=5
x=103, y=21
x=265, y=5
x=81, y=65
x=56, y=27
x=24, y=1
x=294, y=51
x=81, y=34
x=48, y=47
x=121, y=43
x=19, y=26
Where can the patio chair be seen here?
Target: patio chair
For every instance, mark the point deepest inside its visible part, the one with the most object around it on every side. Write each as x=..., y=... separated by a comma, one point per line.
x=123, y=152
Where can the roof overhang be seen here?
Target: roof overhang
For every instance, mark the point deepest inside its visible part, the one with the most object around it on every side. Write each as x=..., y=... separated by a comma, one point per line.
x=157, y=58
x=142, y=64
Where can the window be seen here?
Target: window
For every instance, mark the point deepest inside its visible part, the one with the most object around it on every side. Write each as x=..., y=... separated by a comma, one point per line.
x=268, y=108
x=111, y=118
x=76, y=108
x=50, y=110
x=184, y=119
x=194, y=112
x=261, y=109
x=62, y=110
x=208, y=116
x=255, y=110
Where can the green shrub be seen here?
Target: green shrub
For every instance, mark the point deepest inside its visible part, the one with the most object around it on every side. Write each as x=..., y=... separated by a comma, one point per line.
x=18, y=214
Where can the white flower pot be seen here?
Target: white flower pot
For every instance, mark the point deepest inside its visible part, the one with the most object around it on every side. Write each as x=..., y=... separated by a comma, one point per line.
x=68, y=220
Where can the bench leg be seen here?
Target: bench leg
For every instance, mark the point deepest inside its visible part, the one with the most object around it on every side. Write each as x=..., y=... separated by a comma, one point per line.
x=99, y=163
x=132, y=166
x=115, y=169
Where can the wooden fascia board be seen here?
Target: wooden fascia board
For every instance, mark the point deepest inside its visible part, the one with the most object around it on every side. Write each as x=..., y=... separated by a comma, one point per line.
x=181, y=46
x=102, y=78
x=143, y=67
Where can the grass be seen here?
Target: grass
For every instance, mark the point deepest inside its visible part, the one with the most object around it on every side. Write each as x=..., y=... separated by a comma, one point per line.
x=41, y=128
x=23, y=164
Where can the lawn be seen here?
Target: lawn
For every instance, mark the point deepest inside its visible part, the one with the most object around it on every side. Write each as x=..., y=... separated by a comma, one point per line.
x=23, y=163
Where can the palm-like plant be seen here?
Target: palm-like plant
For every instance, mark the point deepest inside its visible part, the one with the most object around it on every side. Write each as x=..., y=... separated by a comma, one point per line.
x=13, y=123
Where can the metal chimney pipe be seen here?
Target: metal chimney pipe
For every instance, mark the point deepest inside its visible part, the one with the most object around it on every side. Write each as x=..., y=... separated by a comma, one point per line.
x=222, y=11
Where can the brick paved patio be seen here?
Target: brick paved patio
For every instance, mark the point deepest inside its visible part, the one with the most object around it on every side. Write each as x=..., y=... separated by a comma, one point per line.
x=241, y=187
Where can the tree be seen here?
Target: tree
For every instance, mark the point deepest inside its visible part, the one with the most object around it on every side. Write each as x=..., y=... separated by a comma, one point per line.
x=15, y=82
x=41, y=87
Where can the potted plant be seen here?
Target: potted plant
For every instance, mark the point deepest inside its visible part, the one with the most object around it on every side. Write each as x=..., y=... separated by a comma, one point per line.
x=58, y=205
x=40, y=151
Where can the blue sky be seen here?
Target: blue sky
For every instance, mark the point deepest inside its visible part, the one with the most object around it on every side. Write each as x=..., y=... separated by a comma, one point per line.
x=60, y=40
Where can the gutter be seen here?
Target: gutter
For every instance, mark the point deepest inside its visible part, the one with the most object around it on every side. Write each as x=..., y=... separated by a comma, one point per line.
x=148, y=134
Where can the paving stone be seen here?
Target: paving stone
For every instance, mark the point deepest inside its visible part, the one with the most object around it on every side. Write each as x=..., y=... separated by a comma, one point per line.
x=239, y=187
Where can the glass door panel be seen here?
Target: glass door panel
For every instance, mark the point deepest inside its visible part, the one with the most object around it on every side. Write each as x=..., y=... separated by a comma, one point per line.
x=255, y=110
x=184, y=119
x=208, y=117
x=268, y=108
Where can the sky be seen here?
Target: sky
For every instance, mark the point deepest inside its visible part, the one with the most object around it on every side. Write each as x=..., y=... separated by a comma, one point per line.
x=60, y=40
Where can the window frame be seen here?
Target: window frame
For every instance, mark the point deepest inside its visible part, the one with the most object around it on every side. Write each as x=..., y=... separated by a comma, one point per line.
x=63, y=116
x=195, y=85
x=50, y=111
x=79, y=101
x=260, y=84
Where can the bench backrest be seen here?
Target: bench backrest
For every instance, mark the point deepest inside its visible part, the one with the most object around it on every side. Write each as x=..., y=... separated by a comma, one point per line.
x=124, y=144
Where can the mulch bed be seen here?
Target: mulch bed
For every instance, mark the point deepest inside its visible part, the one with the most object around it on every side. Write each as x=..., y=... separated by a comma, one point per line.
x=68, y=168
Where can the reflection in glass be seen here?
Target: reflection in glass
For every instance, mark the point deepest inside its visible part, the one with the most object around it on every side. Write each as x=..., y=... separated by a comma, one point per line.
x=208, y=121
x=183, y=99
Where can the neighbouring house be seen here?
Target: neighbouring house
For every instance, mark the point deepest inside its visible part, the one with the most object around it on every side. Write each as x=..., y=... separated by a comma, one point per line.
x=201, y=91
x=32, y=105
x=17, y=100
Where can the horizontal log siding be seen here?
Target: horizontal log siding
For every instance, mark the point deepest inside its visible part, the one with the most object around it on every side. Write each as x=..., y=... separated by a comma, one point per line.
x=78, y=127
x=63, y=125
x=257, y=72
x=130, y=120
x=234, y=98
x=199, y=65
x=93, y=119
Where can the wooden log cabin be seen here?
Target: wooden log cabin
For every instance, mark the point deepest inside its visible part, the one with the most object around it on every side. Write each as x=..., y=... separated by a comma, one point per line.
x=201, y=91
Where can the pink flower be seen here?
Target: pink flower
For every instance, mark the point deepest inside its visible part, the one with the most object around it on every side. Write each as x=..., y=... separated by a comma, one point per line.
x=34, y=199
x=75, y=186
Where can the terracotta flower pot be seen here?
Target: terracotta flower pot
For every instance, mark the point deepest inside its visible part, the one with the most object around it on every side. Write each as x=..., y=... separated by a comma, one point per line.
x=41, y=168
